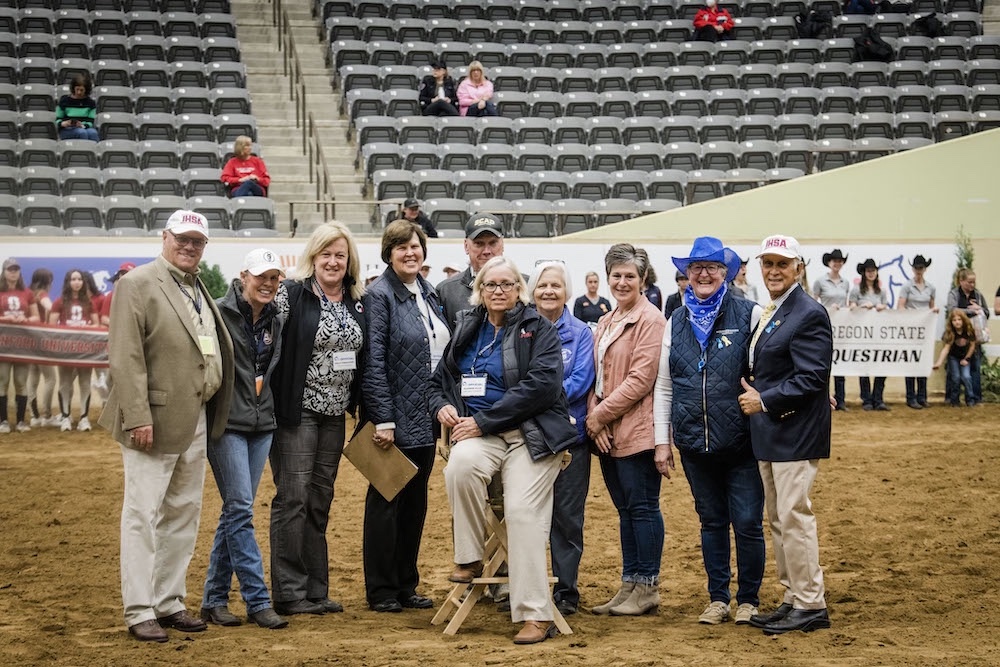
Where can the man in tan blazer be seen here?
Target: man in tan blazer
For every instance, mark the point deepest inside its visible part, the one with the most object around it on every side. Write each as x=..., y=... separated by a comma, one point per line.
x=171, y=368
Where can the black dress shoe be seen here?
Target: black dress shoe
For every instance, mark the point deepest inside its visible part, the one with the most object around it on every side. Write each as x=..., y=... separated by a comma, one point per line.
x=760, y=620
x=841, y=407
x=915, y=405
x=269, y=619
x=805, y=620
x=923, y=403
x=148, y=631
x=416, y=602
x=298, y=607
x=219, y=616
x=329, y=606
x=183, y=621
x=882, y=407
x=566, y=608
x=387, y=606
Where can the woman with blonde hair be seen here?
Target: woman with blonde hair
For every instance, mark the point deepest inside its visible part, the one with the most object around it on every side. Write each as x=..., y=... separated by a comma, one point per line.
x=245, y=175
x=475, y=93
x=316, y=383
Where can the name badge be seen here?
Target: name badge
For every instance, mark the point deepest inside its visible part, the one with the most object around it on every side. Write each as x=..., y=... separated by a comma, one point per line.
x=473, y=386
x=345, y=361
x=207, y=344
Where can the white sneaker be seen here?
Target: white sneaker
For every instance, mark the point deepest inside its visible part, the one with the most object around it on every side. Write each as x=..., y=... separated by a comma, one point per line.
x=36, y=422
x=744, y=613
x=84, y=424
x=5, y=426
x=54, y=421
x=65, y=424
x=715, y=613
x=22, y=427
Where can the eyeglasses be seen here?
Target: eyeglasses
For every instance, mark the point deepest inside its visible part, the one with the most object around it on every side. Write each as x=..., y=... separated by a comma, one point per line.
x=710, y=269
x=182, y=241
x=505, y=286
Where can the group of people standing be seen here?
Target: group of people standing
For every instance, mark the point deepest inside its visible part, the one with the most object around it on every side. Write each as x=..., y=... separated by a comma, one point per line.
x=79, y=304
x=523, y=391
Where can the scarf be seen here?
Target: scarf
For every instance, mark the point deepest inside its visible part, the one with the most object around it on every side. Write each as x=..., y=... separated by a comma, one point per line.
x=702, y=314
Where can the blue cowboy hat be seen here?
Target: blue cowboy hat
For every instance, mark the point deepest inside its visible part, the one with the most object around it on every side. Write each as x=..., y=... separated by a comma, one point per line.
x=710, y=249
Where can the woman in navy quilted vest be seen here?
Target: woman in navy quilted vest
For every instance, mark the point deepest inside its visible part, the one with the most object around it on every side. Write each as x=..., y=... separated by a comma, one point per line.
x=407, y=335
x=696, y=407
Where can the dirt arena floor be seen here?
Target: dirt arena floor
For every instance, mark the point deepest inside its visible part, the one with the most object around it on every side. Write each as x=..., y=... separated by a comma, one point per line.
x=909, y=517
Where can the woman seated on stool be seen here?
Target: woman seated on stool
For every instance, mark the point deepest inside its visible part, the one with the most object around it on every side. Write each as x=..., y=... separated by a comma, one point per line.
x=499, y=389
x=245, y=175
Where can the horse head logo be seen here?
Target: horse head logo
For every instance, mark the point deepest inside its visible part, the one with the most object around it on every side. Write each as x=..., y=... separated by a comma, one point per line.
x=893, y=275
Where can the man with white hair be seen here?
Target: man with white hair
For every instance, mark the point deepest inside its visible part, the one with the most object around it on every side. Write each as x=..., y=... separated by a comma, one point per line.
x=171, y=369
x=788, y=402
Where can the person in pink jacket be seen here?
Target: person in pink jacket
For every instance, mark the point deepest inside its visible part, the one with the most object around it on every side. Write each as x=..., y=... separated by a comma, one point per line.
x=475, y=93
x=245, y=175
x=712, y=24
x=620, y=422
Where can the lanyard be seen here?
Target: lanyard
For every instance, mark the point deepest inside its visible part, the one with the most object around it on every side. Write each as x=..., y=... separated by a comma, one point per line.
x=195, y=302
x=487, y=349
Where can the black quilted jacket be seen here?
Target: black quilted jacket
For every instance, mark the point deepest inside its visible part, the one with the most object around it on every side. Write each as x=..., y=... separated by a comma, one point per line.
x=398, y=360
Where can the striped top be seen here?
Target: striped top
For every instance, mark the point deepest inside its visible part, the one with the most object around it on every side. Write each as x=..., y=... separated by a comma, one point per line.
x=83, y=110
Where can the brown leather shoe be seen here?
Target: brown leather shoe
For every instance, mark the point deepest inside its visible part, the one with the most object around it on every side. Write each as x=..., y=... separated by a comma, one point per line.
x=183, y=621
x=148, y=631
x=464, y=574
x=534, y=632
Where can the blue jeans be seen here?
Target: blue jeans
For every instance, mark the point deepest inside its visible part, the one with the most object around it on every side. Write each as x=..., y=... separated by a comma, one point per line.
x=916, y=390
x=88, y=133
x=248, y=189
x=488, y=110
x=634, y=486
x=304, y=462
x=872, y=395
x=566, y=535
x=727, y=491
x=237, y=461
x=960, y=375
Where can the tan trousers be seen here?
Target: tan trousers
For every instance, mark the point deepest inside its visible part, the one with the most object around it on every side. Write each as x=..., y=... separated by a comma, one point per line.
x=159, y=527
x=527, y=490
x=793, y=530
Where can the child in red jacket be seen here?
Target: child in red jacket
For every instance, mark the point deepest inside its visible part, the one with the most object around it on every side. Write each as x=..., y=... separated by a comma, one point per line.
x=712, y=24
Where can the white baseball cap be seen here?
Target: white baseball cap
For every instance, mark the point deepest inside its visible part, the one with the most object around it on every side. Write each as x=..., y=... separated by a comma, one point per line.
x=783, y=246
x=260, y=260
x=181, y=222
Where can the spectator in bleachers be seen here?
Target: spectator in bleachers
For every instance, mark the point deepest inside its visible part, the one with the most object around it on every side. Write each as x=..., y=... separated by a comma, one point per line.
x=438, y=96
x=832, y=291
x=917, y=295
x=17, y=304
x=740, y=285
x=591, y=306
x=76, y=113
x=869, y=294
x=412, y=213
x=968, y=298
x=860, y=7
x=41, y=411
x=475, y=93
x=245, y=175
x=676, y=300
x=711, y=23
x=74, y=308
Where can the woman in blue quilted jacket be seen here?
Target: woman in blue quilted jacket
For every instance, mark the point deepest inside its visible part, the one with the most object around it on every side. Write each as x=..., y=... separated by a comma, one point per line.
x=407, y=335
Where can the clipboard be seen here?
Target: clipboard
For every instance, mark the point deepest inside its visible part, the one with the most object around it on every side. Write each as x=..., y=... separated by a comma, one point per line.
x=388, y=470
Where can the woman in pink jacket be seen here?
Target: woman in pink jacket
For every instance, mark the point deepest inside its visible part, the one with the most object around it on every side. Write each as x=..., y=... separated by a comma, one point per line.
x=475, y=93
x=620, y=422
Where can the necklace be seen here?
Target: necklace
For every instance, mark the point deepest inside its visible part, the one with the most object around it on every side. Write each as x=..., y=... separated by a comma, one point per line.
x=622, y=316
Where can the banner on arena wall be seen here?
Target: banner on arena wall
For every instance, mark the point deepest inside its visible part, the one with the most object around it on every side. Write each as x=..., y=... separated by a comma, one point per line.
x=52, y=345
x=890, y=343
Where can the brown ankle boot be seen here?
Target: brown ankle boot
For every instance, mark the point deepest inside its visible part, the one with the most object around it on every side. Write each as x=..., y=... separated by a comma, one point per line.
x=465, y=573
x=533, y=632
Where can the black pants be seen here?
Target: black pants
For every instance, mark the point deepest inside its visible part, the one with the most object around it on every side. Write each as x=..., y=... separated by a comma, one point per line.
x=440, y=108
x=392, y=533
x=708, y=33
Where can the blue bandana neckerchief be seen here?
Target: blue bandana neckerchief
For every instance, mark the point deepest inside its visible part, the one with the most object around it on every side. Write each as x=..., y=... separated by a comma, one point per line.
x=702, y=314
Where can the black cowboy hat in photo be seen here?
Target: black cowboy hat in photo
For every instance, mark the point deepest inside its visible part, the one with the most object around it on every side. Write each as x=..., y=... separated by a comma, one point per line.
x=868, y=264
x=920, y=261
x=830, y=256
